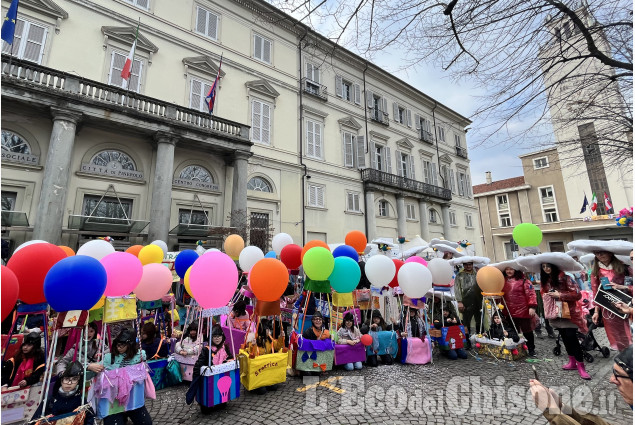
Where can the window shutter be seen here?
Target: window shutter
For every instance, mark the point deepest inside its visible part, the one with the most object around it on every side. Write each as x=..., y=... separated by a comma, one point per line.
x=398, y=163
x=116, y=65
x=195, y=94
x=201, y=20
x=373, y=156
x=395, y=111
x=361, y=152
x=134, y=82
x=358, y=94
x=409, y=114
x=320, y=195
x=469, y=185
x=348, y=150
x=309, y=71
x=452, y=182
x=266, y=123
x=258, y=47
x=312, y=197
x=34, y=44
x=143, y=4
x=256, y=117
x=412, y=167
x=388, y=160
x=318, y=140
x=338, y=85
x=6, y=47
x=212, y=25
x=417, y=121
x=426, y=172
x=369, y=99
x=384, y=105
x=433, y=170
x=310, y=141
x=266, y=50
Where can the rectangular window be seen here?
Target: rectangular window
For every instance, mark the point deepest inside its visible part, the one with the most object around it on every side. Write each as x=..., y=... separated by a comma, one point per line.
x=28, y=41
x=198, y=92
x=457, y=140
x=8, y=200
x=441, y=134
x=316, y=196
x=260, y=122
x=314, y=139
x=501, y=201
x=452, y=218
x=505, y=220
x=556, y=247
x=206, y=23
x=511, y=250
x=141, y=4
x=462, y=184
x=312, y=82
x=117, y=62
x=352, y=202
x=430, y=173
x=259, y=230
x=379, y=158
x=410, y=212
x=192, y=217
x=551, y=215
x=541, y=163
x=546, y=195
x=468, y=220
x=347, y=90
x=432, y=216
x=383, y=209
x=404, y=165
x=108, y=207
x=354, y=150
x=262, y=48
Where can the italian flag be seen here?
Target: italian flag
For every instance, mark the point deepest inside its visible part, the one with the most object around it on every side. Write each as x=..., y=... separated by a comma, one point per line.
x=594, y=202
x=127, y=67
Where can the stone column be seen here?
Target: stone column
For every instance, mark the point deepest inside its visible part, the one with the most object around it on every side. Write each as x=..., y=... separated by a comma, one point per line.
x=445, y=214
x=57, y=171
x=401, y=216
x=423, y=220
x=239, y=187
x=161, y=204
x=370, y=215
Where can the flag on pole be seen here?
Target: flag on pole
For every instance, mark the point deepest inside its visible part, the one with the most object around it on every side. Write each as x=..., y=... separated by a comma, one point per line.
x=594, y=202
x=8, y=25
x=584, y=204
x=607, y=203
x=210, y=99
x=127, y=67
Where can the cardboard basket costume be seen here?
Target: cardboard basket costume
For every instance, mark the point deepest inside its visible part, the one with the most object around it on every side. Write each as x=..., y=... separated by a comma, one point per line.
x=385, y=342
x=416, y=350
x=117, y=309
x=263, y=370
x=19, y=404
x=158, y=373
x=315, y=355
x=136, y=399
x=235, y=338
x=345, y=353
x=449, y=337
x=218, y=384
x=504, y=350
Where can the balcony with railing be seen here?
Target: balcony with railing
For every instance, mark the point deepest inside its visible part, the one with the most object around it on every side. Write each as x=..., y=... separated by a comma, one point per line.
x=426, y=136
x=391, y=181
x=77, y=89
x=314, y=89
x=461, y=151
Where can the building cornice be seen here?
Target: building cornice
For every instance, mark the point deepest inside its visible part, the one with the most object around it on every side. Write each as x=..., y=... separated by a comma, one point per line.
x=506, y=190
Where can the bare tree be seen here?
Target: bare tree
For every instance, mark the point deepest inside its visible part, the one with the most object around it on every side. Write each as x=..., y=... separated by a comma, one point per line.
x=546, y=66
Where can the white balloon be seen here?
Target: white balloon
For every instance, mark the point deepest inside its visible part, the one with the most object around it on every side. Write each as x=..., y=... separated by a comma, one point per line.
x=96, y=248
x=211, y=250
x=380, y=270
x=442, y=271
x=250, y=256
x=279, y=241
x=162, y=245
x=415, y=280
x=27, y=244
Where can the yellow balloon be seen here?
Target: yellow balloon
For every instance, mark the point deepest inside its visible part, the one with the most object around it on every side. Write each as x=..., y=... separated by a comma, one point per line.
x=150, y=254
x=99, y=304
x=186, y=281
x=233, y=245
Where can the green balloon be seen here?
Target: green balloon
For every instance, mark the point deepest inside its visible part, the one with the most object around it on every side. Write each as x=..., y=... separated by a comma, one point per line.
x=346, y=275
x=318, y=263
x=527, y=234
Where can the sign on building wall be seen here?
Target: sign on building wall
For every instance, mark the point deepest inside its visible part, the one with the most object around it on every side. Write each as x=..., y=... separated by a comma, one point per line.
x=22, y=158
x=112, y=170
x=195, y=184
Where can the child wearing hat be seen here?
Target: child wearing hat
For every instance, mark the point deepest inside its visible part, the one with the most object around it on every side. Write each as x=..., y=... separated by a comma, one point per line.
x=350, y=334
x=317, y=330
x=26, y=367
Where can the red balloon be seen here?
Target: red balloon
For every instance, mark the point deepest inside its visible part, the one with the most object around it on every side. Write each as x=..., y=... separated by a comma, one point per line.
x=10, y=289
x=398, y=263
x=291, y=256
x=30, y=265
x=367, y=340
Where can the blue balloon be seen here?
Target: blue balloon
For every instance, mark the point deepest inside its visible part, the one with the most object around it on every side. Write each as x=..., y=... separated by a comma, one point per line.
x=346, y=251
x=184, y=261
x=75, y=283
x=346, y=275
x=270, y=254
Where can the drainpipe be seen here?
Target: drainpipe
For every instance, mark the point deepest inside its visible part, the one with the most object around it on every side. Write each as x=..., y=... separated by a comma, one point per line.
x=436, y=138
x=302, y=164
x=366, y=145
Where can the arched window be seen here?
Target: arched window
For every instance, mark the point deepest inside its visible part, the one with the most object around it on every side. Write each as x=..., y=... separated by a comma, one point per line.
x=196, y=173
x=259, y=184
x=114, y=159
x=11, y=142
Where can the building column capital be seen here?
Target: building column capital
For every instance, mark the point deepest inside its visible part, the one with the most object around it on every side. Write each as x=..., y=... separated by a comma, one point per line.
x=165, y=137
x=242, y=155
x=62, y=114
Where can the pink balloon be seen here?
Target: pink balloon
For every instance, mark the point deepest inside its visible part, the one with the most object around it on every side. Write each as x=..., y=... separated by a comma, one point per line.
x=417, y=259
x=213, y=279
x=155, y=282
x=124, y=272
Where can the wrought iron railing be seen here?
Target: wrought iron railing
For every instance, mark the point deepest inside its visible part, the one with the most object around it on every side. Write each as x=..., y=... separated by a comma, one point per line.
x=370, y=175
x=315, y=89
x=426, y=136
x=461, y=151
x=378, y=116
x=90, y=90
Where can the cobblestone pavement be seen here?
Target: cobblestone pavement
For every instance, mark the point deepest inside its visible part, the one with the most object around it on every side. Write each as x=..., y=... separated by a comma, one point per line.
x=411, y=394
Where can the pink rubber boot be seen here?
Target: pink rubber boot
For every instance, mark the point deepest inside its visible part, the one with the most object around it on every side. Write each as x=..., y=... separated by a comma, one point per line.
x=571, y=365
x=582, y=371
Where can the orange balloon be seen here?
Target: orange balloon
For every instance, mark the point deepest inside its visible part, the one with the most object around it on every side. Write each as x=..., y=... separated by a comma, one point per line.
x=490, y=280
x=313, y=244
x=67, y=250
x=268, y=278
x=357, y=240
x=233, y=245
x=134, y=250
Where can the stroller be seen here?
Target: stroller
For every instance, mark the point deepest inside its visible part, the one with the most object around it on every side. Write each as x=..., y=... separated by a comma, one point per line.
x=587, y=342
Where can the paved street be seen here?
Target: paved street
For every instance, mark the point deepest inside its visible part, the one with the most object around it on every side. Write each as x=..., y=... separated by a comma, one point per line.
x=401, y=394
